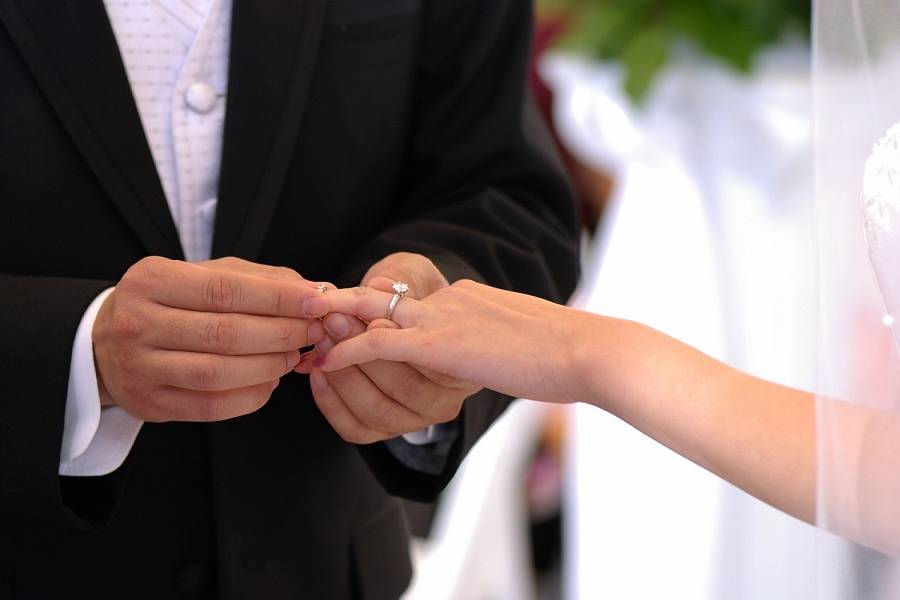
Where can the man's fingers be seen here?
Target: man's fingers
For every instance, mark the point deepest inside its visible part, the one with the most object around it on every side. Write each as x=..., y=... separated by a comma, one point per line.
x=372, y=407
x=232, y=333
x=175, y=404
x=410, y=388
x=212, y=372
x=240, y=265
x=194, y=287
x=338, y=415
x=370, y=304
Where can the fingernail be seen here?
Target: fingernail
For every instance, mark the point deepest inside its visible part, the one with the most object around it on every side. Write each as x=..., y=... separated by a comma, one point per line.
x=303, y=368
x=315, y=306
x=318, y=381
x=337, y=325
x=325, y=346
x=293, y=359
x=315, y=332
x=275, y=384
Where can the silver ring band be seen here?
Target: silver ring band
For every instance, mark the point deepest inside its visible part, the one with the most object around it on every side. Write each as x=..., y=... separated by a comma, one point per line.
x=400, y=290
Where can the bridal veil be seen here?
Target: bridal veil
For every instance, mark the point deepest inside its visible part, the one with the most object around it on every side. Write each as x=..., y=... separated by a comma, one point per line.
x=857, y=183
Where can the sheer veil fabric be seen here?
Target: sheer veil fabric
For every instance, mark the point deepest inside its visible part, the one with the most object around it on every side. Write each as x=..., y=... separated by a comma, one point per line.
x=857, y=176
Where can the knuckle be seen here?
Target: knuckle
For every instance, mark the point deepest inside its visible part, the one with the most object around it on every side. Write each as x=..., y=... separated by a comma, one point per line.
x=446, y=293
x=351, y=436
x=287, y=332
x=409, y=387
x=464, y=284
x=126, y=327
x=382, y=417
x=428, y=349
x=448, y=411
x=127, y=361
x=221, y=293
x=150, y=267
x=376, y=338
x=261, y=397
x=357, y=435
x=208, y=410
x=222, y=335
x=281, y=302
x=286, y=273
x=150, y=404
x=204, y=373
x=443, y=380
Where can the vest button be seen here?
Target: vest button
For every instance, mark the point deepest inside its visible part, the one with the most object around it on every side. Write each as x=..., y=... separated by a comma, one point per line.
x=201, y=97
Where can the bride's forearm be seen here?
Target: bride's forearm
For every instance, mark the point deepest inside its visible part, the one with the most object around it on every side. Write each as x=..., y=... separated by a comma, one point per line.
x=758, y=435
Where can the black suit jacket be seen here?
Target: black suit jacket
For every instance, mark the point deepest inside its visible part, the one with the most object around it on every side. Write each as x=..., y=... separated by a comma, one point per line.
x=355, y=128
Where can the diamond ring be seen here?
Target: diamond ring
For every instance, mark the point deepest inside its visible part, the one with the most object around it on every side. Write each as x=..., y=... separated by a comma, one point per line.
x=400, y=290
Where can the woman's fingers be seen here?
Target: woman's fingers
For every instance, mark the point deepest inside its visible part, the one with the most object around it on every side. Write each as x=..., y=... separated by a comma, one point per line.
x=383, y=284
x=397, y=345
x=370, y=304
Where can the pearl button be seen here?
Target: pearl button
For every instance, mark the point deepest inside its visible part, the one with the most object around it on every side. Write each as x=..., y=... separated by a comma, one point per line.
x=201, y=97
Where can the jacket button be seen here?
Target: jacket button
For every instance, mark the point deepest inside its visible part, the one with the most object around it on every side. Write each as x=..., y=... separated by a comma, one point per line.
x=195, y=579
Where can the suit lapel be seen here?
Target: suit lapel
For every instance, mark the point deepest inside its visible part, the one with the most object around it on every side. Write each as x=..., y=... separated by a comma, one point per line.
x=273, y=55
x=72, y=52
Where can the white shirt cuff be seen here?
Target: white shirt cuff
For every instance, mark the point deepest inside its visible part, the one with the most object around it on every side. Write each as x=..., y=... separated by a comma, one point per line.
x=95, y=442
x=421, y=437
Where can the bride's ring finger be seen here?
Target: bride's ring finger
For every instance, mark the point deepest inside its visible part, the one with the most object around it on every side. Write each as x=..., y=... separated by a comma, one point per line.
x=370, y=305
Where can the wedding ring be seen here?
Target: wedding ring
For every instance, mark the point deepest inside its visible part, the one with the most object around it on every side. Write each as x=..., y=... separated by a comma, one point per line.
x=400, y=290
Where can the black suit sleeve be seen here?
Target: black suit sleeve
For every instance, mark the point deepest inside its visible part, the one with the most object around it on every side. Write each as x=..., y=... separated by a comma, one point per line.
x=484, y=196
x=40, y=319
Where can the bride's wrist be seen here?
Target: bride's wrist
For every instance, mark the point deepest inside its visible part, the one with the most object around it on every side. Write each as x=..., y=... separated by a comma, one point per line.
x=583, y=358
x=599, y=361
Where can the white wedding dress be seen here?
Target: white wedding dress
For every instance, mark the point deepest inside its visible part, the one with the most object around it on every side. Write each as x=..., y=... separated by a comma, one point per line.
x=881, y=210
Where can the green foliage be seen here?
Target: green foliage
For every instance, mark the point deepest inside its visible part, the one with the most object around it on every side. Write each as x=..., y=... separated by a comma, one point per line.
x=641, y=34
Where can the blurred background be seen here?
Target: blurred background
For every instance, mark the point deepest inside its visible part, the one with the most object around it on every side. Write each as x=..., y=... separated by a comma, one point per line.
x=685, y=126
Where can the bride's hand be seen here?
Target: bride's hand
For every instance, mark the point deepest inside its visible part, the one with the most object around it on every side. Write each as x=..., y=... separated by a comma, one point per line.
x=512, y=343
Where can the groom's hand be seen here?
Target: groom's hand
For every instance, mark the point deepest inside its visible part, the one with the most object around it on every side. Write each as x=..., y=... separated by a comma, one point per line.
x=209, y=341
x=381, y=400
